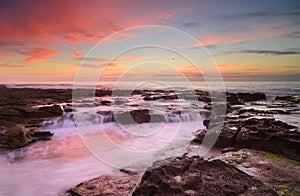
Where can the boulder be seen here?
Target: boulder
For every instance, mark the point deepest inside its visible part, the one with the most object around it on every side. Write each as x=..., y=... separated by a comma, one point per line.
x=195, y=176
x=15, y=137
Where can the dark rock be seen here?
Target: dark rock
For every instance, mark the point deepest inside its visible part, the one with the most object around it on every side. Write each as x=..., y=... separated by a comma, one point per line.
x=232, y=99
x=259, y=134
x=108, y=103
x=292, y=98
x=41, y=135
x=195, y=176
x=3, y=87
x=55, y=110
x=246, y=97
x=138, y=116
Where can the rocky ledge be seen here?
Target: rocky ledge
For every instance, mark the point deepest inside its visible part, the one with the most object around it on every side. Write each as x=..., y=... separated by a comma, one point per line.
x=265, y=134
x=195, y=176
x=180, y=176
x=18, y=136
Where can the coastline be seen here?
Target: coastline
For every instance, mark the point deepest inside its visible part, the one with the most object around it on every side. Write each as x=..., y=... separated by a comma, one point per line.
x=32, y=107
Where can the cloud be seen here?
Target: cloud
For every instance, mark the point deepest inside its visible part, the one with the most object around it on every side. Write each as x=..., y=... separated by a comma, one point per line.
x=267, y=52
x=290, y=12
x=76, y=21
x=37, y=55
x=166, y=16
x=78, y=54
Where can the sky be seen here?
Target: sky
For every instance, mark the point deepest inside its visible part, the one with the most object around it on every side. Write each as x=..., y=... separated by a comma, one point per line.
x=50, y=41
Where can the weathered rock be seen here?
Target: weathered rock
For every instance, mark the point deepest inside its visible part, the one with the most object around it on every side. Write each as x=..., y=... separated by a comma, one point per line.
x=195, y=176
x=271, y=169
x=15, y=137
x=54, y=110
x=245, y=97
x=106, y=185
x=260, y=134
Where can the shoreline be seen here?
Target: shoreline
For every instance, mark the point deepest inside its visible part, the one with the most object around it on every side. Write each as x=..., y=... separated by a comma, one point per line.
x=31, y=107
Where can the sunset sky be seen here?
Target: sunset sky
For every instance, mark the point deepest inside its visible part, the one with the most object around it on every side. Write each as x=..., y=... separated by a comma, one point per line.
x=46, y=41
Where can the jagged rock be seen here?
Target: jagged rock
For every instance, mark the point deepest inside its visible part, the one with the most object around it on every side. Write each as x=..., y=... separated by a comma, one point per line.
x=195, y=176
x=260, y=134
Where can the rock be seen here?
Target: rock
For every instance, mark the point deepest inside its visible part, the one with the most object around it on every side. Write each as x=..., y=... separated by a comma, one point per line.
x=246, y=97
x=228, y=149
x=138, y=116
x=106, y=185
x=55, y=110
x=107, y=103
x=292, y=98
x=41, y=135
x=198, y=177
x=260, y=134
x=232, y=99
x=15, y=137
x=3, y=87
x=271, y=169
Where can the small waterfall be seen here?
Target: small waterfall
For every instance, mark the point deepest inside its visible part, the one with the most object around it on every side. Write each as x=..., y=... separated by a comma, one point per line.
x=103, y=117
x=183, y=117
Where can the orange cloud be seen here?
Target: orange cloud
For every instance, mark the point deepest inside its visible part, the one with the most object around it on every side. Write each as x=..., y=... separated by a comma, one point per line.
x=37, y=55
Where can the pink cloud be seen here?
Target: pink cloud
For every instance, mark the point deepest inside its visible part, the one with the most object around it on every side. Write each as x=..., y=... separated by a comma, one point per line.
x=78, y=54
x=38, y=55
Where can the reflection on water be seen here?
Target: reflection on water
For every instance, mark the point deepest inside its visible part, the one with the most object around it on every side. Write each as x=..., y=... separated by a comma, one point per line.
x=51, y=167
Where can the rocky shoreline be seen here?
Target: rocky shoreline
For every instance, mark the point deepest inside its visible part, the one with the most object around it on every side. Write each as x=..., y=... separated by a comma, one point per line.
x=261, y=153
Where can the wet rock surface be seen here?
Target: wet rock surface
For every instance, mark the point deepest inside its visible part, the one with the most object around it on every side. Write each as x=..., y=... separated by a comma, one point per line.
x=195, y=176
x=281, y=173
x=260, y=134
